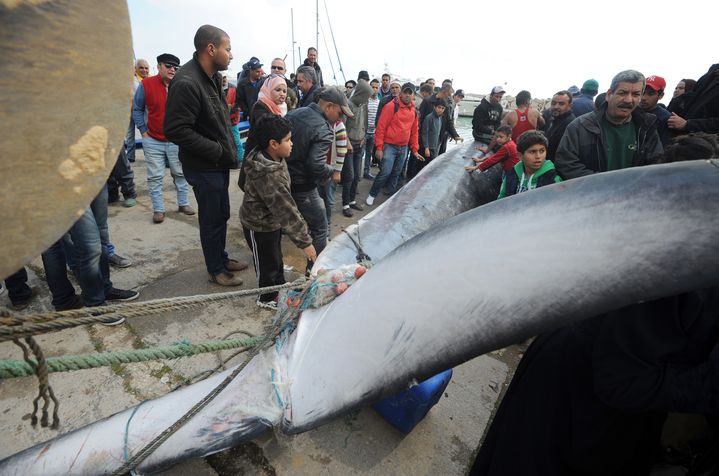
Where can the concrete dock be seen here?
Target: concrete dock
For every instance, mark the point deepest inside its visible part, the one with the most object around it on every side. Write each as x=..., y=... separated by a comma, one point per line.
x=167, y=261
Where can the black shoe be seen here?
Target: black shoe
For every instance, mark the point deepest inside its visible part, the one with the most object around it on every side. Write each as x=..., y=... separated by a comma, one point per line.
x=356, y=206
x=75, y=303
x=24, y=303
x=347, y=212
x=121, y=295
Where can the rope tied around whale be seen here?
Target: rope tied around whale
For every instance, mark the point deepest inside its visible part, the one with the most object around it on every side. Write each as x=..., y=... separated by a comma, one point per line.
x=13, y=325
x=326, y=286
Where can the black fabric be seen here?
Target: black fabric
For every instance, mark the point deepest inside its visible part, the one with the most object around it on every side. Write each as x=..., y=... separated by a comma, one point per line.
x=197, y=119
x=318, y=71
x=17, y=288
x=312, y=139
x=701, y=109
x=555, y=131
x=267, y=257
x=485, y=120
x=247, y=95
x=591, y=399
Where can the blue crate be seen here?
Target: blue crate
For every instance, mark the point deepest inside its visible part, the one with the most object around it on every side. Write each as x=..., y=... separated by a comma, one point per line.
x=404, y=410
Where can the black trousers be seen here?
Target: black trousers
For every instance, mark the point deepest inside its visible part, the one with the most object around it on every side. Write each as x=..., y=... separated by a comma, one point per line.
x=267, y=253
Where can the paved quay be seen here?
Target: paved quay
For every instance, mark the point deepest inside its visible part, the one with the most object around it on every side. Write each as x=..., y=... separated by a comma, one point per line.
x=168, y=262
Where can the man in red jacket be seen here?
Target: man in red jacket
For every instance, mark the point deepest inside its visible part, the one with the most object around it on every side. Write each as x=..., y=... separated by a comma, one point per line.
x=150, y=97
x=396, y=131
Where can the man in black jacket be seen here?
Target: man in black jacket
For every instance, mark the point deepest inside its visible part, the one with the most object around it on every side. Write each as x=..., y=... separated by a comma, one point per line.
x=561, y=116
x=487, y=116
x=198, y=121
x=311, y=61
x=615, y=136
x=248, y=88
x=312, y=138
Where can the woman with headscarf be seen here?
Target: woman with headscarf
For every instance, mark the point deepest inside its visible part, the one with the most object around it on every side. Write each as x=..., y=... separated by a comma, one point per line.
x=270, y=100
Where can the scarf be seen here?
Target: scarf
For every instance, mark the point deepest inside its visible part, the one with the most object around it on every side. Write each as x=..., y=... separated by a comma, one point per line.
x=270, y=83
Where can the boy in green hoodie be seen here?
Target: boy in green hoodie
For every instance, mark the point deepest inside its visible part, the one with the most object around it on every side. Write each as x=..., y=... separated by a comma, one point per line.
x=268, y=207
x=532, y=170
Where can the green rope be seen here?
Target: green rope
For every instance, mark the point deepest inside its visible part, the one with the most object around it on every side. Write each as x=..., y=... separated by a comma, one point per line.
x=21, y=368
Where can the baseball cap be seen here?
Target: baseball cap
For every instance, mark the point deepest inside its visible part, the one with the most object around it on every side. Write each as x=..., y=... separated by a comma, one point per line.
x=409, y=86
x=169, y=59
x=459, y=92
x=657, y=83
x=498, y=90
x=591, y=86
x=254, y=63
x=335, y=96
x=573, y=90
x=363, y=75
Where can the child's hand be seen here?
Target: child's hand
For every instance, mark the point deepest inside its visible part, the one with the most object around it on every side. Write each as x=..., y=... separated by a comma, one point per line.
x=310, y=253
x=470, y=168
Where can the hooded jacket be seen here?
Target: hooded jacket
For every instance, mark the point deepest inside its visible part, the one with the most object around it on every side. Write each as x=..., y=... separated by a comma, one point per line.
x=485, y=120
x=197, y=119
x=398, y=128
x=546, y=175
x=312, y=139
x=582, y=150
x=357, y=126
x=268, y=204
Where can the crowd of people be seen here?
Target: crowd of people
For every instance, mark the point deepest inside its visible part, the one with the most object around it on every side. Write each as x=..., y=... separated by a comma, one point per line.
x=307, y=138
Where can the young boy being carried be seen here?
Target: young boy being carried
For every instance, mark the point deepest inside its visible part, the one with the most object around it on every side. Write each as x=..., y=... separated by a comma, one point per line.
x=533, y=171
x=507, y=153
x=268, y=207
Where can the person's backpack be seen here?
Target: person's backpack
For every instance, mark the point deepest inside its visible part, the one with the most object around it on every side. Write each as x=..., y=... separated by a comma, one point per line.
x=383, y=103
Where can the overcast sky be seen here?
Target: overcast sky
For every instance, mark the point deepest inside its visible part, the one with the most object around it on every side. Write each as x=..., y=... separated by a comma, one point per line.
x=535, y=45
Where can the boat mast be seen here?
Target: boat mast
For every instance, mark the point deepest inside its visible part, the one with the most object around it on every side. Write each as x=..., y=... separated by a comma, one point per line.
x=317, y=24
x=292, y=22
x=332, y=33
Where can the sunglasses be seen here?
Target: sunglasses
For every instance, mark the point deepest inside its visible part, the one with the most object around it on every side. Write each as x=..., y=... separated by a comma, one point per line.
x=171, y=66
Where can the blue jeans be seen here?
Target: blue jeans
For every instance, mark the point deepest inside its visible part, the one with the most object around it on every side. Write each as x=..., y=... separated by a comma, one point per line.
x=155, y=154
x=327, y=193
x=369, y=149
x=99, y=211
x=391, y=166
x=313, y=210
x=92, y=269
x=130, y=141
x=213, y=211
x=351, y=170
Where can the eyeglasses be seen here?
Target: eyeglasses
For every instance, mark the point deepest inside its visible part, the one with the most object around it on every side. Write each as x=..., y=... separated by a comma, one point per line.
x=281, y=68
x=171, y=66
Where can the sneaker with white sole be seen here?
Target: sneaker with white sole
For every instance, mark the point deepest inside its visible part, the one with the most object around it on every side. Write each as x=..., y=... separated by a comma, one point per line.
x=115, y=322
x=115, y=294
x=272, y=305
x=369, y=200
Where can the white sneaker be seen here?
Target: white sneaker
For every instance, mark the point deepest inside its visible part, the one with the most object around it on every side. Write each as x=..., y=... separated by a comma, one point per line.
x=369, y=200
x=272, y=305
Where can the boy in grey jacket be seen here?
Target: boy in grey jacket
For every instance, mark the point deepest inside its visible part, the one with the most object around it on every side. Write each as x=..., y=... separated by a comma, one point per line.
x=431, y=127
x=268, y=206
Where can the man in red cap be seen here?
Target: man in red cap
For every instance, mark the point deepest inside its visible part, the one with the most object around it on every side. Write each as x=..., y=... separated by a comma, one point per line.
x=653, y=92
